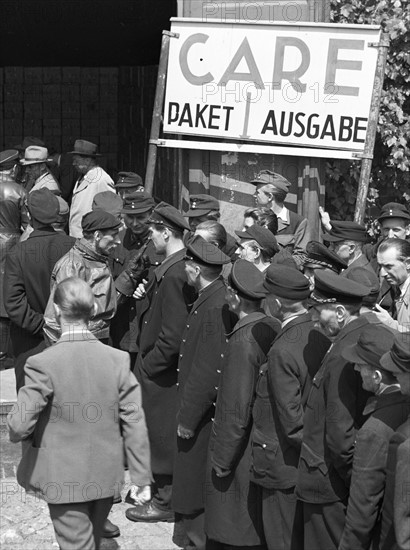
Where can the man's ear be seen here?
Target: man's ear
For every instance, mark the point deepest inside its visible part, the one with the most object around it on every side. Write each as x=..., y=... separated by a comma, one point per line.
x=341, y=312
x=377, y=376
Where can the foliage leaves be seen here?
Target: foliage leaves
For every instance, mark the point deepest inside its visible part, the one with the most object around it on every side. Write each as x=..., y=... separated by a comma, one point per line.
x=390, y=177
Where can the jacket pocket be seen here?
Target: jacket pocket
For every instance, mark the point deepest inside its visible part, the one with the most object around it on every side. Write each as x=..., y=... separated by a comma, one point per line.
x=264, y=452
x=313, y=460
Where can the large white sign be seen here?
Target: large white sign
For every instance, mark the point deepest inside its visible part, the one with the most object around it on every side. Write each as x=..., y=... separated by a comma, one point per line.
x=306, y=85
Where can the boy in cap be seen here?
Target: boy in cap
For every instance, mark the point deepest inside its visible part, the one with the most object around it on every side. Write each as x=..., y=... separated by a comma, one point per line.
x=293, y=230
x=167, y=298
x=281, y=395
x=27, y=277
x=203, y=344
x=395, y=521
x=230, y=520
x=92, y=180
x=127, y=183
x=88, y=260
x=333, y=414
x=387, y=410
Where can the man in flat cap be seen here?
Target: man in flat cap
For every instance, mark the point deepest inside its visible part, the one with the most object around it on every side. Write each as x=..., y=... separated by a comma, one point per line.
x=333, y=414
x=347, y=239
x=395, y=520
x=13, y=218
x=37, y=174
x=92, y=180
x=203, y=207
x=257, y=245
x=88, y=260
x=202, y=347
x=293, y=229
x=393, y=257
x=388, y=410
x=27, y=277
x=281, y=394
x=230, y=520
x=128, y=182
x=167, y=298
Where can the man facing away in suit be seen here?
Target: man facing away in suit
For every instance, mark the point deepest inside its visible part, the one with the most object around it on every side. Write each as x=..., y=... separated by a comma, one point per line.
x=82, y=408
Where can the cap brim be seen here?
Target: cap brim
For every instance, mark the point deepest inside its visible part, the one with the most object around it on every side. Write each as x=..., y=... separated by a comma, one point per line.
x=196, y=213
x=399, y=215
x=332, y=238
x=261, y=288
x=136, y=210
x=350, y=354
x=84, y=154
x=27, y=162
x=387, y=363
x=244, y=235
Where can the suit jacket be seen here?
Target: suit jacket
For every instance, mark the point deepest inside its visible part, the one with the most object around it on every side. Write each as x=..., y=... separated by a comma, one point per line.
x=395, y=519
x=79, y=404
x=27, y=284
x=201, y=354
x=333, y=415
x=389, y=411
x=294, y=233
x=164, y=313
x=283, y=387
x=229, y=448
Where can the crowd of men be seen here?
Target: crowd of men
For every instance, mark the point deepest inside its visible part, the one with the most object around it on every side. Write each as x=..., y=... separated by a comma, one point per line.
x=274, y=370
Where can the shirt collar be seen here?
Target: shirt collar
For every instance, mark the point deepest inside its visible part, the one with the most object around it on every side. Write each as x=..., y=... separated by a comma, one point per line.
x=283, y=214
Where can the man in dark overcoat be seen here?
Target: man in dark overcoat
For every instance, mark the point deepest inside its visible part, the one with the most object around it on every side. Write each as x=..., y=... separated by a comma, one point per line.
x=167, y=299
x=332, y=416
x=27, y=278
x=281, y=395
x=388, y=409
x=200, y=358
x=233, y=514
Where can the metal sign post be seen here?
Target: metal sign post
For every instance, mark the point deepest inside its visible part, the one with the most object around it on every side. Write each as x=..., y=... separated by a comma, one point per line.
x=367, y=155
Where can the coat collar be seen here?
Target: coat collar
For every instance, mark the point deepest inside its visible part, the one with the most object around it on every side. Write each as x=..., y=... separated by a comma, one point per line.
x=248, y=320
x=42, y=232
x=169, y=262
x=208, y=292
x=350, y=327
x=391, y=396
x=299, y=320
x=83, y=336
x=83, y=246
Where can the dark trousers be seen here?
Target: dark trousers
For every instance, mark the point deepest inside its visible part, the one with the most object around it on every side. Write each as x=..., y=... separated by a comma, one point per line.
x=323, y=525
x=281, y=522
x=4, y=334
x=79, y=524
x=194, y=525
x=162, y=491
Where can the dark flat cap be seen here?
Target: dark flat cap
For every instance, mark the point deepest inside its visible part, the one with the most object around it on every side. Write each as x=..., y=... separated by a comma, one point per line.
x=373, y=342
x=138, y=203
x=63, y=210
x=394, y=210
x=99, y=220
x=43, y=206
x=262, y=236
x=28, y=142
x=168, y=215
x=266, y=176
x=199, y=250
x=247, y=280
x=8, y=159
x=368, y=279
x=109, y=202
x=128, y=179
x=346, y=231
x=317, y=253
x=285, y=282
x=397, y=360
x=332, y=288
x=199, y=205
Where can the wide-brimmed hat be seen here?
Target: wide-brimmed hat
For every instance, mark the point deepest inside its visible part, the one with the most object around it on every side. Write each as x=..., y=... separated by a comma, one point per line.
x=373, y=342
x=397, y=360
x=85, y=148
x=35, y=155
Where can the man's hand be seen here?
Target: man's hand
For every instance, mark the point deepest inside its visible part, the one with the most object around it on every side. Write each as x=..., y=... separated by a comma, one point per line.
x=140, y=292
x=220, y=472
x=325, y=218
x=383, y=315
x=185, y=433
x=140, y=494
